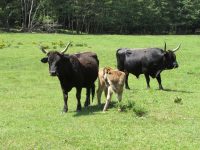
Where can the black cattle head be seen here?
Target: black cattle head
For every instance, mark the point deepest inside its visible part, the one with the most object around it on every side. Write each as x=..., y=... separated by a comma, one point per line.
x=170, y=58
x=54, y=59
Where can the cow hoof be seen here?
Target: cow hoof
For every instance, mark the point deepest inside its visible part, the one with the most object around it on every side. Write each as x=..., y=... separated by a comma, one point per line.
x=65, y=110
x=161, y=88
x=128, y=88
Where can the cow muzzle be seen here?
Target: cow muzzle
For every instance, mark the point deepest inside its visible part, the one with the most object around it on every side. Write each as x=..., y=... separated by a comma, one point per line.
x=175, y=65
x=52, y=73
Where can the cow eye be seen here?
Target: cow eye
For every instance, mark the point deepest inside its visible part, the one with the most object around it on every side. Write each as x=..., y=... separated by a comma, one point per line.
x=51, y=59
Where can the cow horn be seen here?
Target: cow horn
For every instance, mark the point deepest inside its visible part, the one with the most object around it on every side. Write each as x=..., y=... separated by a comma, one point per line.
x=174, y=50
x=43, y=50
x=65, y=49
x=165, y=47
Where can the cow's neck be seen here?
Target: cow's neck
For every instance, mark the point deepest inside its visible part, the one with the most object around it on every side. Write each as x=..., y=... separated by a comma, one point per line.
x=65, y=72
x=164, y=63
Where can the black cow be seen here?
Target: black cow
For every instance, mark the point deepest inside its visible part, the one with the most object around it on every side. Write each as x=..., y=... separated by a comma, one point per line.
x=76, y=70
x=147, y=61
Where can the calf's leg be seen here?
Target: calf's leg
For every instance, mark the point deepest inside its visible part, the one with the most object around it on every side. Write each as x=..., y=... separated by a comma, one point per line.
x=119, y=97
x=106, y=91
x=109, y=95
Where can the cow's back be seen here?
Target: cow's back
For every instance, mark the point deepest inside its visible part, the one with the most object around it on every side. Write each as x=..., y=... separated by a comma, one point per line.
x=133, y=61
x=139, y=60
x=89, y=66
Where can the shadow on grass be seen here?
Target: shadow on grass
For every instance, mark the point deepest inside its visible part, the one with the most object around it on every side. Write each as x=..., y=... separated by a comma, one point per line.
x=91, y=110
x=166, y=90
x=181, y=91
x=138, y=110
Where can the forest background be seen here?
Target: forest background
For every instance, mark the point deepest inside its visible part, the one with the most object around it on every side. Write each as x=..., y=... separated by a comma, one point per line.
x=101, y=16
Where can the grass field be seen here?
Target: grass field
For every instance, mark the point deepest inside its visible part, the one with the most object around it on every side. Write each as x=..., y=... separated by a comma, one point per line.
x=31, y=101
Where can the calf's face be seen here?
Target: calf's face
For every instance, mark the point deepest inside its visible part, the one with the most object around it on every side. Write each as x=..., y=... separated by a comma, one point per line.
x=106, y=71
x=53, y=59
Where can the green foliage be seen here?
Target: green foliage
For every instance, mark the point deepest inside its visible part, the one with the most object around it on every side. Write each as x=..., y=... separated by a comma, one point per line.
x=129, y=105
x=81, y=44
x=19, y=43
x=54, y=47
x=105, y=16
x=178, y=100
x=140, y=111
x=4, y=44
x=53, y=43
x=45, y=46
x=61, y=44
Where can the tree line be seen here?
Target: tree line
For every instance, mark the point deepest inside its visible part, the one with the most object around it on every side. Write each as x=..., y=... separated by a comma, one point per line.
x=102, y=16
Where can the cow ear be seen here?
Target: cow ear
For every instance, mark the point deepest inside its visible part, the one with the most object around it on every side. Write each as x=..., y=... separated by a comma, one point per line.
x=109, y=71
x=104, y=71
x=44, y=60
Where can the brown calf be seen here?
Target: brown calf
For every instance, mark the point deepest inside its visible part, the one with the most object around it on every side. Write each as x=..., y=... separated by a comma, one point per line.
x=110, y=81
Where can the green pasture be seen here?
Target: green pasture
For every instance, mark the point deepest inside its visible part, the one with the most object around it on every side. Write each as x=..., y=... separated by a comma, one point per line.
x=31, y=101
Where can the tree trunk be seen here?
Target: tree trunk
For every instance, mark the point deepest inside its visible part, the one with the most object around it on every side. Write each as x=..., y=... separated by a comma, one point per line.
x=77, y=26
x=7, y=25
x=29, y=17
x=69, y=22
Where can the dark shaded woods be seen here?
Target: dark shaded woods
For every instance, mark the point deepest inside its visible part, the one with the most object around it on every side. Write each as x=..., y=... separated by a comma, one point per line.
x=102, y=16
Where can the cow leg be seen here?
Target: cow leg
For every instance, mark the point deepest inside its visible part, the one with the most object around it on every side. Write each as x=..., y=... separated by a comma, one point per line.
x=108, y=99
x=106, y=91
x=99, y=93
x=78, y=96
x=147, y=80
x=126, y=81
x=87, y=101
x=159, y=82
x=119, y=96
x=65, y=96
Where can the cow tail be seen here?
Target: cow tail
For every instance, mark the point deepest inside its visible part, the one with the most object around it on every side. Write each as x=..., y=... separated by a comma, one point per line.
x=120, y=59
x=93, y=91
